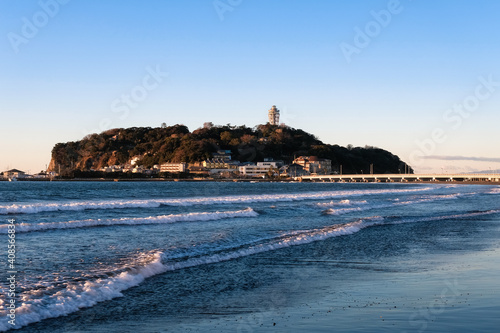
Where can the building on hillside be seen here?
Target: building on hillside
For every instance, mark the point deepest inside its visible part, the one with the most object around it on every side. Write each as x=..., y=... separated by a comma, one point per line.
x=197, y=169
x=293, y=170
x=224, y=155
x=173, y=167
x=279, y=163
x=314, y=165
x=261, y=169
x=112, y=168
x=215, y=164
x=138, y=169
x=135, y=159
x=270, y=163
x=274, y=116
x=220, y=164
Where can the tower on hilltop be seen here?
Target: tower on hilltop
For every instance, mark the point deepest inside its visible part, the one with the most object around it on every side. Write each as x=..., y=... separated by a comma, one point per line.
x=274, y=116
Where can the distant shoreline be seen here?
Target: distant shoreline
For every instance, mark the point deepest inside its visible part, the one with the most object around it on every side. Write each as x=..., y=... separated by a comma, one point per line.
x=236, y=180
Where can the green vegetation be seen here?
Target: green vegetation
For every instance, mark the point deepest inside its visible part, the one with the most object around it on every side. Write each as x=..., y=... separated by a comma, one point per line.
x=178, y=144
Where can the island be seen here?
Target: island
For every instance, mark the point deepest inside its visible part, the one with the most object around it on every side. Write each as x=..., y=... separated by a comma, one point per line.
x=267, y=151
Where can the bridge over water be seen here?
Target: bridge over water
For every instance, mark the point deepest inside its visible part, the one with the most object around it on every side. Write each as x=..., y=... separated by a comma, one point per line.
x=389, y=178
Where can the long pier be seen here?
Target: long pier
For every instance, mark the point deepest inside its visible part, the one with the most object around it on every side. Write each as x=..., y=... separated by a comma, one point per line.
x=390, y=178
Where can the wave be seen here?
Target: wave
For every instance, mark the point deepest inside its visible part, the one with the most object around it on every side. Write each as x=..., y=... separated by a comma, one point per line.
x=71, y=298
x=342, y=211
x=342, y=203
x=494, y=190
x=430, y=198
x=445, y=217
x=74, y=297
x=34, y=208
x=86, y=294
x=173, y=218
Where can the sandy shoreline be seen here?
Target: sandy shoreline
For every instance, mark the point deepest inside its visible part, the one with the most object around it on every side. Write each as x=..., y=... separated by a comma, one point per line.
x=460, y=294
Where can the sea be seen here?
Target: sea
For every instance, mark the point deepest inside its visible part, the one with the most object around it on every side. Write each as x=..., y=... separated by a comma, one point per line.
x=249, y=257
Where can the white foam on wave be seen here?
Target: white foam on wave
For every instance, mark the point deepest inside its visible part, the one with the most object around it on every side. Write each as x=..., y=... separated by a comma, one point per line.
x=345, y=202
x=173, y=218
x=286, y=239
x=76, y=296
x=342, y=211
x=429, y=198
x=494, y=190
x=36, y=307
x=446, y=217
x=153, y=203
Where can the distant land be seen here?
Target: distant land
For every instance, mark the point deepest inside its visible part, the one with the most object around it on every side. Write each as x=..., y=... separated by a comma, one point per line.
x=149, y=148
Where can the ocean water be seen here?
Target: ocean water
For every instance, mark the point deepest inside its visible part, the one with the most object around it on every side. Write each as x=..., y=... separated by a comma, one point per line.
x=251, y=257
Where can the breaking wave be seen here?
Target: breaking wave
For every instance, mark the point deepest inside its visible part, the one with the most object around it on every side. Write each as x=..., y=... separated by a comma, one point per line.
x=76, y=296
x=364, y=207
x=445, y=217
x=73, y=297
x=173, y=218
x=342, y=203
x=495, y=190
x=38, y=306
x=154, y=203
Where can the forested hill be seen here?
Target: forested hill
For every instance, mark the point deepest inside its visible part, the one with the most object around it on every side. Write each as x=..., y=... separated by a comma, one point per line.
x=178, y=144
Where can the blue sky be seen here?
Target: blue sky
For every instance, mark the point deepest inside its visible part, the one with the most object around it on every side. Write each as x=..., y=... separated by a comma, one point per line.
x=229, y=61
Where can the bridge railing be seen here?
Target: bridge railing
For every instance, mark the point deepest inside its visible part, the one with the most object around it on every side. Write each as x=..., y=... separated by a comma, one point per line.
x=404, y=177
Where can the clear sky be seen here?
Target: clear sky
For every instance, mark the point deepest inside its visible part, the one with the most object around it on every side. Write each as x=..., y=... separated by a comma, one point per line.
x=418, y=78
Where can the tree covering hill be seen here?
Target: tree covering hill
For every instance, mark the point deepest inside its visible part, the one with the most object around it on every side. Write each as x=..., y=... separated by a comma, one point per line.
x=177, y=144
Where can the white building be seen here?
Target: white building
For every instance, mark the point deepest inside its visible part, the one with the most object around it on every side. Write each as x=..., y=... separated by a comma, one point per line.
x=274, y=116
x=138, y=169
x=173, y=167
x=135, y=159
x=113, y=168
x=14, y=173
x=259, y=170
